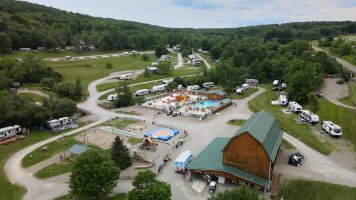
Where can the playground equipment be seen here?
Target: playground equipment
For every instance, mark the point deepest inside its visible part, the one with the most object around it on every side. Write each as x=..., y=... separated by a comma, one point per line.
x=148, y=143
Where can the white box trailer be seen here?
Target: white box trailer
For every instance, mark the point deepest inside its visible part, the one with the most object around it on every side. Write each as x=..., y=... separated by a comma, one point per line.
x=252, y=81
x=295, y=107
x=53, y=123
x=193, y=87
x=128, y=76
x=112, y=97
x=158, y=88
x=331, y=128
x=309, y=116
x=142, y=92
x=283, y=100
x=9, y=131
x=208, y=85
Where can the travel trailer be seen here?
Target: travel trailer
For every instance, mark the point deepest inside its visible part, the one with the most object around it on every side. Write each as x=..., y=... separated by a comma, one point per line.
x=331, y=128
x=309, y=116
x=142, y=92
x=154, y=64
x=112, y=97
x=9, y=131
x=252, y=81
x=294, y=106
x=245, y=86
x=240, y=90
x=165, y=82
x=125, y=76
x=61, y=124
x=193, y=87
x=208, y=85
x=158, y=88
x=282, y=99
x=275, y=83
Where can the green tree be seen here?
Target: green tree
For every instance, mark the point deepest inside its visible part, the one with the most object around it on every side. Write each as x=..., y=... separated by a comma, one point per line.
x=125, y=97
x=108, y=65
x=93, y=175
x=48, y=83
x=240, y=193
x=165, y=67
x=147, y=73
x=5, y=43
x=148, y=188
x=313, y=102
x=145, y=57
x=60, y=107
x=160, y=50
x=78, y=91
x=215, y=52
x=120, y=154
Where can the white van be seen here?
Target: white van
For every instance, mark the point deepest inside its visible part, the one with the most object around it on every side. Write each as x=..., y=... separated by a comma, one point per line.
x=193, y=87
x=158, y=88
x=331, y=128
x=208, y=85
x=282, y=99
x=294, y=106
x=142, y=92
x=309, y=116
x=112, y=97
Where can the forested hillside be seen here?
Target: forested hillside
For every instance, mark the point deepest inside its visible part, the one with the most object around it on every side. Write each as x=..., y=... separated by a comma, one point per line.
x=28, y=25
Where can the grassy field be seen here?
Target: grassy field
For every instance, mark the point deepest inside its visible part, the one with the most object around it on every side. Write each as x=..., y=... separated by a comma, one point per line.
x=302, y=189
x=288, y=122
x=236, y=122
x=249, y=92
x=346, y=118
x=54, y=170
x=352, y=95
x=61, y=54
x=142, y=78
x=208, y=60
x=121, y=196
x=134, y=140
x=55, y=147
x=14, y=192
x=33, y=97
x=120, y=124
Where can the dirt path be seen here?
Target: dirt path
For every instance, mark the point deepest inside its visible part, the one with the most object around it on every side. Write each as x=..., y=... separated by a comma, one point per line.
x=333, y=91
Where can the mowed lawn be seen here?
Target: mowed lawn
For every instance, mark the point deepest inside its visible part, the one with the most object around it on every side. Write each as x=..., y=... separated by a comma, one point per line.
x=289, y=122
x=8, y=190
x=92, y=69
x=346, y=118
x=54, y=170
x=351, y=99
x=313, y=190
x=61, y=54
x=142, y=78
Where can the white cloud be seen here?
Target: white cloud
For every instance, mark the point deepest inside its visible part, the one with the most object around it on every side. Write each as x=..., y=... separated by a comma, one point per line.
x=212, y=13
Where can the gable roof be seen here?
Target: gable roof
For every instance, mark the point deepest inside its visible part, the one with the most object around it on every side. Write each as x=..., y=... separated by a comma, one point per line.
x=211, y=158
x=265, y=129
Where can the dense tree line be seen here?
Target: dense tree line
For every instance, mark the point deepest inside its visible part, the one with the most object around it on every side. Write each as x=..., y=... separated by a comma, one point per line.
x=24, y=24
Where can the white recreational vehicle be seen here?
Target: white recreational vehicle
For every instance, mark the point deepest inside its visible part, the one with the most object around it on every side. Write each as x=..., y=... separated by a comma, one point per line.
x=158, y=88
x=252, y=81
x=142, y=92
x=165, y=82
x=112, y=97
x=284, y=86
x=208, y=85
x=275, y=83
x=9, y=131
x=154, y=64
x=331, y=128
x=309, y=116
x=125, y=76
x=294, y=106
x=245, y=86
x=283, y=100
x=60, y=124
x=240, y=90
x=193, y=87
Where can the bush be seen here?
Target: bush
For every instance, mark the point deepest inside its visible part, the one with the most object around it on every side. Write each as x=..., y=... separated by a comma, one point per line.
x=145, y=57
x=108, y=65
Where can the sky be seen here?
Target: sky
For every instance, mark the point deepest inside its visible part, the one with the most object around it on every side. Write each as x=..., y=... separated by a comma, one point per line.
x=211, y=13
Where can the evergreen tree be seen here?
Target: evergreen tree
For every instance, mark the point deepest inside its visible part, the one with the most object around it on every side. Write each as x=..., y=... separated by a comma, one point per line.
x=120, y=154
x=125, y=97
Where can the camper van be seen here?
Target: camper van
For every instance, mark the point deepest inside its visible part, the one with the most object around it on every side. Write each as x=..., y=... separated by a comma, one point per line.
x=282, y=99
x=208, y=85
x=125, y=76
x=193, y=87
x=142, y=92
x=331, y=128
x=165, y=82
x=112, y=97
x=158, y=88
x=252, y=81
x=9, y=131
x=309, y=116
x=294, y=106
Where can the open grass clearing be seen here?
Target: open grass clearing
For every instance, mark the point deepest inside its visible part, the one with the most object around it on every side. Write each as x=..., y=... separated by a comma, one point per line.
x=120, y=196
x=288, y=122
x=303, y=189
x=236, y=122
x=15, y=192
x=134, y=140
x=54, y=170
x=33, y=97
x=142, y=78
x=120, y=124
x=346, y=118
x=351, y=99
x=247, y=93
x=208, y=60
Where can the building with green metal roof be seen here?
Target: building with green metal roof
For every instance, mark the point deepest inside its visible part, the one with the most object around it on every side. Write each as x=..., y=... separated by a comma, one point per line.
x=248, y=156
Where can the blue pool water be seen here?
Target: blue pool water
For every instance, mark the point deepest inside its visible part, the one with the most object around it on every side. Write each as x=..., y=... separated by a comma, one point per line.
x=203, y=104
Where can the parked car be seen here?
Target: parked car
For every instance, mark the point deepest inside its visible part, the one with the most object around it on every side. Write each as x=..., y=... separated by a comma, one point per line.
x=295, y=159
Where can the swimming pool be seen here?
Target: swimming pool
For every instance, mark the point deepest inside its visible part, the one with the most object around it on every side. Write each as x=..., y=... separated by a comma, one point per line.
x=203, y=104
